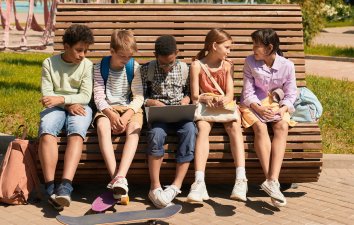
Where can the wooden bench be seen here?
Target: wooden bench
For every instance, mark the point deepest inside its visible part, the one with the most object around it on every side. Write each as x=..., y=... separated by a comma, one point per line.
x=189, y=24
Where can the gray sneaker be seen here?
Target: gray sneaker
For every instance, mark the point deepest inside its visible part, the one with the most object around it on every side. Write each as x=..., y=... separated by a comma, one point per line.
x=156, y=197
x=272, y=188
x=170, y=193
x=240, y=190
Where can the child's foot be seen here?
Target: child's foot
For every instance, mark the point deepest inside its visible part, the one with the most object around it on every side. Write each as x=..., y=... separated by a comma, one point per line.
x=170, y=193
x=272, y=188
x=63, y=194
x=198, y=192
x=277, y=203
x=156, y=198
x=119, y=185
x=51, y=198
x=240, y=190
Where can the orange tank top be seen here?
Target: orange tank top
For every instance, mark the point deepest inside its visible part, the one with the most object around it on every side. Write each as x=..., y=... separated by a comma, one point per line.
x=206, y=85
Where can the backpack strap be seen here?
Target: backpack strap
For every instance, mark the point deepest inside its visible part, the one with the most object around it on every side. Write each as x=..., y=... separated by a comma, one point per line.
x=129, y=68
x=151, y=71
x=104, y=69
x=184, y=70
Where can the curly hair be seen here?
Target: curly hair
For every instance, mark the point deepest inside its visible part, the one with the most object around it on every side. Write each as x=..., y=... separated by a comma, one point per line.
x=76, y=33
x=165, y=45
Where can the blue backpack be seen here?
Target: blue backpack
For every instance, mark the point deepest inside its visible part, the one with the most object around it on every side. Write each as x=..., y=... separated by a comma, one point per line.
x=129, y=67
x=307, y=107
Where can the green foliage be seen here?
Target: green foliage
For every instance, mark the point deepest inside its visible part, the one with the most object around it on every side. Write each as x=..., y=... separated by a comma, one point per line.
x=20, y=92
x=336, y=123
x=329, y=50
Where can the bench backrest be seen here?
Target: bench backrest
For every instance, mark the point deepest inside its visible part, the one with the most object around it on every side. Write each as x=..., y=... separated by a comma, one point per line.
x=189, y=24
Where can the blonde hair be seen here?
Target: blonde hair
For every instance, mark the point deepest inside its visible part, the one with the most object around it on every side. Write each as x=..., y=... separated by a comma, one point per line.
x=215, y=35
x=123, y=40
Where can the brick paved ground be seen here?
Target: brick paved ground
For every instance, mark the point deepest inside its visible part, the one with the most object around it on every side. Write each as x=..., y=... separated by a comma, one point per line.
x=329, y=201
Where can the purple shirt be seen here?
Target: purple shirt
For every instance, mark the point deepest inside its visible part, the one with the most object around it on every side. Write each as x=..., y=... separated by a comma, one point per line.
x=259, y=80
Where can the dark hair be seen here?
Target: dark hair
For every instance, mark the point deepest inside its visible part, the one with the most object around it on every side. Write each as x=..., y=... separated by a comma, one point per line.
x=215, y=35
x=266, y=37
x=165, y=45
x=76, y=33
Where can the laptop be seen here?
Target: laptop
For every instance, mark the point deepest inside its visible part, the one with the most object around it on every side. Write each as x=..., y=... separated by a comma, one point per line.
x=170, y=113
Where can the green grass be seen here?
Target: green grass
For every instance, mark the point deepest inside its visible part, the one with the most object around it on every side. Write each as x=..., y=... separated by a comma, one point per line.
x=337, y=121
x=329, y=50
x=20, y=91
x=20, y=76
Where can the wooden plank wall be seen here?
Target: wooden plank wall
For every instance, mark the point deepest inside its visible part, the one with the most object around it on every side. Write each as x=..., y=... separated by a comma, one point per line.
x=189, y=24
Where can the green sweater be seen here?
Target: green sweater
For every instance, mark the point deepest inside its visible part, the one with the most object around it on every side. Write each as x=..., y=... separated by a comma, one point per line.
x=72, y=81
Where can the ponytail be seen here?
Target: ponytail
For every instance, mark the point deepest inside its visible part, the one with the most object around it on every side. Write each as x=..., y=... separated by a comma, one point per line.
x=201, y=54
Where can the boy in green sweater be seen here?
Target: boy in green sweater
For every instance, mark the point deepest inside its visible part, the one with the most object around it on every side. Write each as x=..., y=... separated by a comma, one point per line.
x=66, y=91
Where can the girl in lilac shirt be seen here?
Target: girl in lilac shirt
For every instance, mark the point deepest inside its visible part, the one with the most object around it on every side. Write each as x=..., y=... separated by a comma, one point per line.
x=265, y=71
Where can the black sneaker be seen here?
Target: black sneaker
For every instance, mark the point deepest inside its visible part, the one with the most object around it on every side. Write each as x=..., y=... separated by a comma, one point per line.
x=63, y=194
x=51, y=198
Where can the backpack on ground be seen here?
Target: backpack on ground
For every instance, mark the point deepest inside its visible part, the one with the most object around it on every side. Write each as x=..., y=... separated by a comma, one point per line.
x=307, y=106
x=18, y=174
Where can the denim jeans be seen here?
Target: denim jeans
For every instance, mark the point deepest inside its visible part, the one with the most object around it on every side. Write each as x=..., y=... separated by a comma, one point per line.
x=186, y=132
x=54, y=119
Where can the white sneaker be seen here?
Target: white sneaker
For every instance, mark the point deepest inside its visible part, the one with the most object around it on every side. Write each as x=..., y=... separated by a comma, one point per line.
x=170, y=193
x=240, y=190
x=155, y=197
x=198, y=192
x=272, y=188
x=119, y=185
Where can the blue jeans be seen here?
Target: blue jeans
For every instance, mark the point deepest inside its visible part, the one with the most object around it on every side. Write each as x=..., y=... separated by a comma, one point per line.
x=186, y=132
x=53, y=120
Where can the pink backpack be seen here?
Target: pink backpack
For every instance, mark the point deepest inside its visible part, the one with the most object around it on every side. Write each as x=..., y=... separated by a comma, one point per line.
x=18, y=174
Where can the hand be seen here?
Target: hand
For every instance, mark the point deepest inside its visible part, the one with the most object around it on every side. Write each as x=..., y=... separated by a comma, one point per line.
x=185, y=100
x=51, y=101
x=153, y=102
x=116, y=125
x=282, y=110
x=75, y=109
x=265, y=112
x=223, y=101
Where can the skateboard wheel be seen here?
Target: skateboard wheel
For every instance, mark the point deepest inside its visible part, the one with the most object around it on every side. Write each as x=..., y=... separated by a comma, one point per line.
x=124, y=200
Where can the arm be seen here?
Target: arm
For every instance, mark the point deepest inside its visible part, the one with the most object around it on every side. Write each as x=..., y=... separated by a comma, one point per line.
x=248, y=92
x=99, y=90
x=49, y=98
x=229, y=95
x=137, y=91
x=290, y=91
x=194, y=81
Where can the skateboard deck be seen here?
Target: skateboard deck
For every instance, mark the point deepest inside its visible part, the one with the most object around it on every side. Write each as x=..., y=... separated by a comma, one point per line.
x=122, y=217
x=106, y=201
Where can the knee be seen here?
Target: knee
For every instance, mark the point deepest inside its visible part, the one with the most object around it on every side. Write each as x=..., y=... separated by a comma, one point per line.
x=260, y=128
x=189, y=128
x=232, y=128
x=133, y=128
x=103, y=124
x=281, y=126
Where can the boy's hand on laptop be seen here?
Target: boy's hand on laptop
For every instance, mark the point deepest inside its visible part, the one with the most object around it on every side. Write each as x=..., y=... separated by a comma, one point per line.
x=185, y=100
x=154, y=102
x=51, y=101
x=75, y=109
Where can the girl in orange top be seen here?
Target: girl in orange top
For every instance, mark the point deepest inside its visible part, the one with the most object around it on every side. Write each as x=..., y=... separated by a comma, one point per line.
x=214, y=57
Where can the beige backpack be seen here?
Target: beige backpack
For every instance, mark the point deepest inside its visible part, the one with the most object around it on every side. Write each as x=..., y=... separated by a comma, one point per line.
x=18, y=174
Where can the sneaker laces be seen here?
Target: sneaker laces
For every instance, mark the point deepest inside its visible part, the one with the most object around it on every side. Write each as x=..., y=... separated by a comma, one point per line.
x=172, y=191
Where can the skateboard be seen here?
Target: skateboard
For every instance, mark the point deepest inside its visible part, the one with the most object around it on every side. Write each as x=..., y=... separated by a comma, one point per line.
x=150, y=215
x=106, y=201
